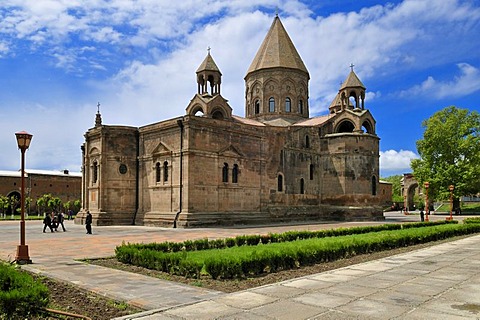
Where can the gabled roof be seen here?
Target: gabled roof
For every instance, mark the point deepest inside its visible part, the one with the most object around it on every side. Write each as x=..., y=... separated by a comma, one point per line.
x=277, y=50
x=314, y=121
x=248, y=121
x=208, y=65
x=352, y=81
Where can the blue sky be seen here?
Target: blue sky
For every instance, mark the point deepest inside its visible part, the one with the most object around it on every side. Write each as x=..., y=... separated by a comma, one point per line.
x=138, y=59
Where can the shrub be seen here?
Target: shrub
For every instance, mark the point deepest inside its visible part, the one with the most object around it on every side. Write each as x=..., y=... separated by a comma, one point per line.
x=20, y=294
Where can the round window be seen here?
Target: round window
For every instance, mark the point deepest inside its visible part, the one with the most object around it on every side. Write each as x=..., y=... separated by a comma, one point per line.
x=122, y=168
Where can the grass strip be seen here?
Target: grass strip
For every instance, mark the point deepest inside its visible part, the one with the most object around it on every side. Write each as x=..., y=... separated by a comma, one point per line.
x=244, y=261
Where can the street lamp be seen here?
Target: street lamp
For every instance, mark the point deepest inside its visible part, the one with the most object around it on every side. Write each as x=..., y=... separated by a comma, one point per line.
x=427, y=210
x=23, y=141
x=451, y=188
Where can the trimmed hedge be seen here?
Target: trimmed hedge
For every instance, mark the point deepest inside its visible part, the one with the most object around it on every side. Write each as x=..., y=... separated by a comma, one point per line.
x=20, y=294
x=253, y=240
x=471, y=220
x=244, y=261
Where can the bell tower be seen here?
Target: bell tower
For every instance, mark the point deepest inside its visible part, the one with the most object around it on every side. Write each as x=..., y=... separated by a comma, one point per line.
x=209, y=77
x=351, y=94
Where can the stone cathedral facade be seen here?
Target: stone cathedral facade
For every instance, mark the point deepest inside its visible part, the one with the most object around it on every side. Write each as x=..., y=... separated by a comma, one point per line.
x=210, y=167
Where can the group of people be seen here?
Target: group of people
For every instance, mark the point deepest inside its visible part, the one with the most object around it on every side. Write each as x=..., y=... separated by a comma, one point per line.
x=54, y=220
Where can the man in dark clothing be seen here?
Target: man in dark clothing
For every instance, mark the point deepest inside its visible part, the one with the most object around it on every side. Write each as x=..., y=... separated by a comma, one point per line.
x=88, y=223
x=61, y=218
x=47, y=222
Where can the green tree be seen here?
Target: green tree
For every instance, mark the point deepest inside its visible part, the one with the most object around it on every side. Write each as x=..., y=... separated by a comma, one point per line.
x=4, y=203
x=449, y=153
x=42, y=203
x=54, y=204
x=77, y=205
x=14, y=204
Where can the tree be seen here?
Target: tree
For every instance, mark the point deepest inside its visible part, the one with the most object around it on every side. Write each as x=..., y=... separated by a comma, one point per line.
x=42, y=203
x=449, y=153
x=77, y=205
x=4, y=203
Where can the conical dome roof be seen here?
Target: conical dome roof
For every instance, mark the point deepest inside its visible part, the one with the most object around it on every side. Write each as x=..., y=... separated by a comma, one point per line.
x=352, y=81
x=277, y=50
x=208, y=65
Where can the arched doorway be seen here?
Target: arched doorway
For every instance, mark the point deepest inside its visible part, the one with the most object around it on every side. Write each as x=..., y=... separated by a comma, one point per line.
x=14, y=202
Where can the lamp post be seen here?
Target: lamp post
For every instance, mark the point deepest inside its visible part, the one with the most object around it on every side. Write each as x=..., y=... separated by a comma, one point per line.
x=23, y=141
x=427, y=210
x=451, y=188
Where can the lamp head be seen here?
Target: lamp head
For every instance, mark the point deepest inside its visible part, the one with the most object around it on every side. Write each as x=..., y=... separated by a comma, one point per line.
x=23, y=139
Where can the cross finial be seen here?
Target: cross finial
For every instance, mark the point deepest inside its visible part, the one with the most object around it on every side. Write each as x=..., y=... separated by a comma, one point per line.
x=276, y=11
x=98, y=107
x=351, y=66
x=208, y=49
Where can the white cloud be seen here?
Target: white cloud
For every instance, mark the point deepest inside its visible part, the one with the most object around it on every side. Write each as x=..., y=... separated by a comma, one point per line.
x=149, y=50
x=464, y=84
x=392, y=160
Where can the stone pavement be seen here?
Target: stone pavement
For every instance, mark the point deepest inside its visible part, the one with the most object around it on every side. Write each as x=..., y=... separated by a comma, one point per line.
x=438, y=282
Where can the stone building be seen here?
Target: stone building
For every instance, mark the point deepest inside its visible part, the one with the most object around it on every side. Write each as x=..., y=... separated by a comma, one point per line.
x=64, y=185
x=211, y=167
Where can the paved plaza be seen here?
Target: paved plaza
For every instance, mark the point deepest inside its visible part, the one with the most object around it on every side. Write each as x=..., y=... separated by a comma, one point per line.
x=442, y=281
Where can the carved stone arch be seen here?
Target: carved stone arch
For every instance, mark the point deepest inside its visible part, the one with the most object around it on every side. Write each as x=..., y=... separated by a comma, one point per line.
x=345, y=126
x=94, y=151
x=302, y=88
x=289, y=86
x=368, y=127
x=218, y=113
x=197, y=110
x=271, y=85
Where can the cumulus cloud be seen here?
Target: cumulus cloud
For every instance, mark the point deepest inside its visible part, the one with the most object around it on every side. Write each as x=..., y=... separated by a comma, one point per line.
x=139, y=57
x=392, y=160
x=464, y=84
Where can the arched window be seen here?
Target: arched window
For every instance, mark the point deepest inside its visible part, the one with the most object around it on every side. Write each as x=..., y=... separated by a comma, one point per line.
x=235, y=173
x=257, y=106
x=165, y=171
x=280, y=183
x=311, y=172
x=157, y=172
x=95, y=172
x=300, y=106
x=307, y=142
x=218, y=115
x=302, y=186
x=367, y=127
x=374, y=186
x=225, y=172
x=346, y=126
x=288, y=105
x=271, y=104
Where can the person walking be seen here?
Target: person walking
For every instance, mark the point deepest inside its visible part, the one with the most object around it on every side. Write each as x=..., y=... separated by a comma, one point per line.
x=47, y=222
x=61, y=218
x=88, y=223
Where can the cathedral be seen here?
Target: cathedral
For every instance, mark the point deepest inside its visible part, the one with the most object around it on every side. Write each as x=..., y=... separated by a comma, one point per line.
x=210, y=167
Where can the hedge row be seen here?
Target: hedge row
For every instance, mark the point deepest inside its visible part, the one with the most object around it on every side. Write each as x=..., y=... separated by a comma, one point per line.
x=253, y=240
x=20, y=294
x=472, y=220
x=240, y=262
